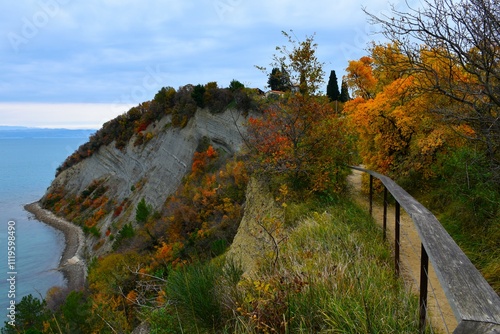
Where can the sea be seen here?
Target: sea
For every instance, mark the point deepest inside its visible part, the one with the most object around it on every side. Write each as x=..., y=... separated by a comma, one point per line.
x=29, y=158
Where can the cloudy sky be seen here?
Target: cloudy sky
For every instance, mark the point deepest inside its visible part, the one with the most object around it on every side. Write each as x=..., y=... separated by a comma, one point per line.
x=71, y=63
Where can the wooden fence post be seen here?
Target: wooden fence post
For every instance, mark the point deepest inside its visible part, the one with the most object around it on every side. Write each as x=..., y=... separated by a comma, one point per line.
x=385, y=213
x=371, y=195
x=397, y=238
x=424, y=279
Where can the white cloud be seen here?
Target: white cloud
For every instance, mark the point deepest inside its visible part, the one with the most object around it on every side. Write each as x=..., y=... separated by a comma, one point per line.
x=99, y=51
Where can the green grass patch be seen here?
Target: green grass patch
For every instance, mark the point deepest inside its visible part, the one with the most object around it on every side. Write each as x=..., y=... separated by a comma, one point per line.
x=467, y=203
x=334, y=274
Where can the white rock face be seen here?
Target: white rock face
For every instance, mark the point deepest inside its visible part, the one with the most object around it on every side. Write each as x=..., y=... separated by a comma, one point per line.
x=160, y=164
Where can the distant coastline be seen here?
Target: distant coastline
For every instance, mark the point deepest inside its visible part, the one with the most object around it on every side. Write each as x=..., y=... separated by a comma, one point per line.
x=71, y=264
x=17, y=132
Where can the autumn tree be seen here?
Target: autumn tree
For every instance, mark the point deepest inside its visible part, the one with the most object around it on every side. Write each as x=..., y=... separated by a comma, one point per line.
x=398, y=134
x=299, y=63
x=455, y=47
x=360, y=77
x=332, y=89
x=165, y=97
x=301, y=142
x=184, y=106
x=216, y=99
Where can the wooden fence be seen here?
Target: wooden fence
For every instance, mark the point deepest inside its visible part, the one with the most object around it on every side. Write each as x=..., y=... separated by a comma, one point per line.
x=475, y=304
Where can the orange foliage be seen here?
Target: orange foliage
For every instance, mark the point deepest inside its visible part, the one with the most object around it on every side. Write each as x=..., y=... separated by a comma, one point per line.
x=211, y=153
x=301, y=141
x=201, y=160
x=360, y=77
x=397, y=132
x=205, y=208
x=167, y=253
x=131, y=297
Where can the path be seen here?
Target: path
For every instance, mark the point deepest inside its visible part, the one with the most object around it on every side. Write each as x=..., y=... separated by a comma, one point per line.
x=442, y=321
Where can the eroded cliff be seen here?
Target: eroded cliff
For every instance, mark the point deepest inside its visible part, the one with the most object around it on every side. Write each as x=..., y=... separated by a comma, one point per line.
x=110, y=183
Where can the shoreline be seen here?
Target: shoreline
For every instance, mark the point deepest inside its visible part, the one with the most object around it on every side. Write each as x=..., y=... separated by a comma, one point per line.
x=71, y=264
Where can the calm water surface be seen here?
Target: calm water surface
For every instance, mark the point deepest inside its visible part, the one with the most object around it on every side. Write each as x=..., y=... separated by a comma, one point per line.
x=27, y=166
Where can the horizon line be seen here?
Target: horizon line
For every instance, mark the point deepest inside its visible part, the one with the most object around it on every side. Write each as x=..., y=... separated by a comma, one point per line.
x=60, y=115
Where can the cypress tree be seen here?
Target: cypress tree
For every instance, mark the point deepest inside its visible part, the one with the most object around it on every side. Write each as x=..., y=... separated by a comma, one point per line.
x=332, y=89
x=344, y=93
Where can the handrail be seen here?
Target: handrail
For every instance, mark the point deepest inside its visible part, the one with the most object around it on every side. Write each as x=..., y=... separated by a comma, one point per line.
x=475, y=304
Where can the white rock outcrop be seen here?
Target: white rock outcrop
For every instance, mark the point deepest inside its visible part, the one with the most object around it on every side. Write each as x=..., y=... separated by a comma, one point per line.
x=159, y=165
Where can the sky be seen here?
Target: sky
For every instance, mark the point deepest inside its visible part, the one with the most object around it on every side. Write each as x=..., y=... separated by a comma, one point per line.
x=77, y=64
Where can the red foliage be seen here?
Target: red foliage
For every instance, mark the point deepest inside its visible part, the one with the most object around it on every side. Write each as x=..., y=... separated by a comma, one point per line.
x=141, y=127
x=118, y=210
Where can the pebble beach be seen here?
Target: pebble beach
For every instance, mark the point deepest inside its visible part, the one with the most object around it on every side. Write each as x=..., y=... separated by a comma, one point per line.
x=71, y=264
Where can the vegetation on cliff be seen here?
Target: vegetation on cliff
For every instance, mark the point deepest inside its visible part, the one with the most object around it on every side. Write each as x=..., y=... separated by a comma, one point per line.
x=428, y=119
x=180, y=105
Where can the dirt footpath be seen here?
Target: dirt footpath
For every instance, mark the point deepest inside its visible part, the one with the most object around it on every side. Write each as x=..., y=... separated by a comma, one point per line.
x=441, y=317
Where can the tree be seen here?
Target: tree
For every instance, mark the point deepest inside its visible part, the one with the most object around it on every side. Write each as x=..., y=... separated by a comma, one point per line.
x=184, y=107
x=332, y=89
x=165, y=97
x=397, y=133
x=198, y=94
x=300, y=64
x=77, y=313
x=301, y=142
x=455, y=46
x=30, y=315
x=143, y=211
x=279, y=80
x=344, y=92
x=235, y=85
x=360, y=77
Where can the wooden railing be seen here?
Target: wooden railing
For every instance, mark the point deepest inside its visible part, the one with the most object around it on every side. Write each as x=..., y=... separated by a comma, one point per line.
x=475, y=304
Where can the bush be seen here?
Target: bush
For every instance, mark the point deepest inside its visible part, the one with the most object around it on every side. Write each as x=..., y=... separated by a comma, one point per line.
x=302, y=143
x=143, y=211
x=334, y=275
x=126, y=232
x=468, y=206
x=217, y=99
x=196, y=291
x=235, y=85
x=197, y=95
x=31, y=313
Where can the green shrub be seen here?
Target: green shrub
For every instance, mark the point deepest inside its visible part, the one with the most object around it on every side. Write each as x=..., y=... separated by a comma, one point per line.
x=335, y=275
x=164, y=320
x=126, y=232
x=467, y=203
x=194, y=289
x=143, y=211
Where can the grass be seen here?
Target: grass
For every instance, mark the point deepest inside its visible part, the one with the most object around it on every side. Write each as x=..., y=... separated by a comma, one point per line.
x=466, y=201
x=334, y=275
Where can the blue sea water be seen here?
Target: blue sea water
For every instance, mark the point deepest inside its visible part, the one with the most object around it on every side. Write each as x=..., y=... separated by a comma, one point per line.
x=28, y=160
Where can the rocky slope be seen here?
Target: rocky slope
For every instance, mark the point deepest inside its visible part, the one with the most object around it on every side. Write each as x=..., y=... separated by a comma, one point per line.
x=152, y=171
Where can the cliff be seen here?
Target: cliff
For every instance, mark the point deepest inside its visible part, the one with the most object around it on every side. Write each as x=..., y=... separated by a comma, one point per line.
x=110, y=183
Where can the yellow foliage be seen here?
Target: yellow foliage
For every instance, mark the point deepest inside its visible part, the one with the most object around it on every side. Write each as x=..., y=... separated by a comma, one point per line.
x=398, y=132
